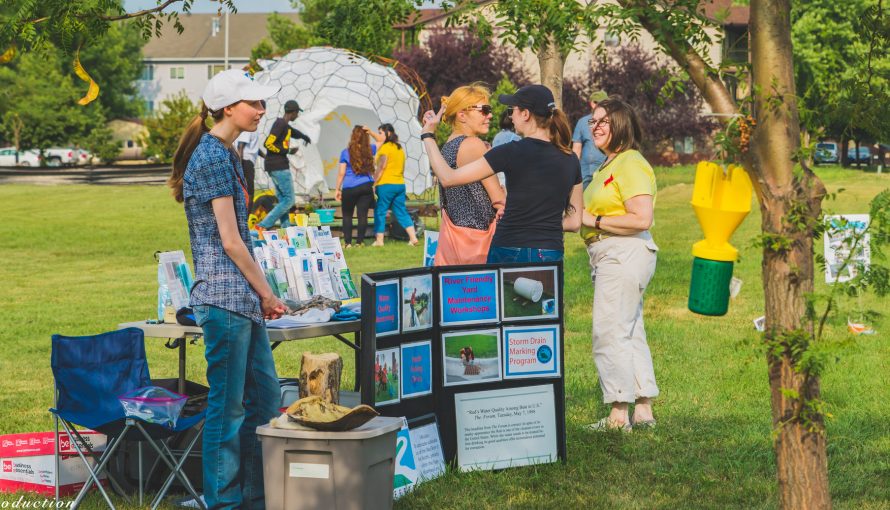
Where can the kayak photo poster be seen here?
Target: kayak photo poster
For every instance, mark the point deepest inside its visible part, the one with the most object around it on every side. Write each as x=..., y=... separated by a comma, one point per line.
x=472, y=357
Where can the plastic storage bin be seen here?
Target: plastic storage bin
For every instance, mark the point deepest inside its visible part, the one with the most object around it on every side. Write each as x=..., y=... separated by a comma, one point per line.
x=352, y=470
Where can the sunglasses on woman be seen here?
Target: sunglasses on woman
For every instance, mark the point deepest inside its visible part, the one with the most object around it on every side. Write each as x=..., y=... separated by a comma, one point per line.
x=485, y=109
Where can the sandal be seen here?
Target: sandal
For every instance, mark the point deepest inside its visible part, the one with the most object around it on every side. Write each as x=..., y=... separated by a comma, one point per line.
x=644, y=424
x=606, y=424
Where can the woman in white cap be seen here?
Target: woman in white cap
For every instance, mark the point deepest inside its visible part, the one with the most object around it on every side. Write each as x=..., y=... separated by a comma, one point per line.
x=542, y=173
x=231, y=296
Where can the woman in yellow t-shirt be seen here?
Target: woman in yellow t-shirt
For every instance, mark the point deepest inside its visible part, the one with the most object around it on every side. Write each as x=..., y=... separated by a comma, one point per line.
x=618, y=211
x=390, y=183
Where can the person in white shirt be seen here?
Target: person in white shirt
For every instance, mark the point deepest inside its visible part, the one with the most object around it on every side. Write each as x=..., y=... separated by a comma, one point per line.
x=247, y=145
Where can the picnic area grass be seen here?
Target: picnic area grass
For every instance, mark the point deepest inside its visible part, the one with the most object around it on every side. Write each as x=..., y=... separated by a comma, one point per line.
x=78, y=260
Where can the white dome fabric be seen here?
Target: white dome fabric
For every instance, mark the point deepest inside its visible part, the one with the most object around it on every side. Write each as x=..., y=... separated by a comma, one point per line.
x=338, y=90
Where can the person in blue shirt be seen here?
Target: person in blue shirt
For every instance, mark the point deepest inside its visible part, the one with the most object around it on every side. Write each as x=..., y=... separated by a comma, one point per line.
x=230, y=297
x=355, y=183
x=582, y=142
x=507, y=132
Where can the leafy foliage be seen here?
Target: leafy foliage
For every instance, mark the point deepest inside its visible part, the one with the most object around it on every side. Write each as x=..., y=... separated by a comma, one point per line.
x=38, y=97
x=41, y=25
x=166, y=126
x=365, y=26
x=668, y=104
x=454, y=58
x=115, y=62
x=285, y=35
x=842, y=67
x=101, y=144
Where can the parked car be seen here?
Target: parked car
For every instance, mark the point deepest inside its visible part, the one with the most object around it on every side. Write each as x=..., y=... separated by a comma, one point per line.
x=25, y=158
x=62, y=156
x=826, y=152
x=863, y=155
x=83, y=157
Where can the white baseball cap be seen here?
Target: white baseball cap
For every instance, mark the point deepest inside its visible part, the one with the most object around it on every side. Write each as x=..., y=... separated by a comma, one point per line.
x=233, y=85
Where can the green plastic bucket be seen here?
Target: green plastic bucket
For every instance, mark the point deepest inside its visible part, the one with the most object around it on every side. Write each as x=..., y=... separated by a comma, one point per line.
x=709, y=289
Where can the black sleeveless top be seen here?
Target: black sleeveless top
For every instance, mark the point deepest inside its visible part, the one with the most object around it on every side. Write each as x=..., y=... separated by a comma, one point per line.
x=467, y=205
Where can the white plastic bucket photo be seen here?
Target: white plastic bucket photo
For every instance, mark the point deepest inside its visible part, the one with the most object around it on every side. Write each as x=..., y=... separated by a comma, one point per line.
x=529, y=289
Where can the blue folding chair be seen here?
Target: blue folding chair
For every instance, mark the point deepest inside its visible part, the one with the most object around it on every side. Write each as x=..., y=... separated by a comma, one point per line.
x=90, y=373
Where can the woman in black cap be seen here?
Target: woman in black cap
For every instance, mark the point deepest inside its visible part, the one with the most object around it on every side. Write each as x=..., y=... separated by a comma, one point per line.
x=542, y=173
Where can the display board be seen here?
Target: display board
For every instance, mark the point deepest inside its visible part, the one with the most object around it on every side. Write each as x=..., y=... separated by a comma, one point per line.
x=476, y=349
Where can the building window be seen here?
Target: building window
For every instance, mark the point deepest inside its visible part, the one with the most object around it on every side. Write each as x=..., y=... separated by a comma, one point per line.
x=148, y=72
x=735, y=45
x=130, y=144
x=213, y=69
x=177, y=73
x=149, y=106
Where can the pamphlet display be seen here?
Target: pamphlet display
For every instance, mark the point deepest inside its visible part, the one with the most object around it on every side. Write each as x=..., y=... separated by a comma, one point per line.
x=304, y=262
x=457, y=348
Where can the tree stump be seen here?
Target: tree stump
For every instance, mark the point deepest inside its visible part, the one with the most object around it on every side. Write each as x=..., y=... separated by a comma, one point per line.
x=320, y=375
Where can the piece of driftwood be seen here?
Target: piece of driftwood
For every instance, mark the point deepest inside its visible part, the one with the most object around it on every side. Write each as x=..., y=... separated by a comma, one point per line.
x=320, y=376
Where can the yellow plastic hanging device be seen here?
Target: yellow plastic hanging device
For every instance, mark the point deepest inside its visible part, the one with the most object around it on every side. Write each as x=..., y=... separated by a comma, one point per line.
x=721, y=199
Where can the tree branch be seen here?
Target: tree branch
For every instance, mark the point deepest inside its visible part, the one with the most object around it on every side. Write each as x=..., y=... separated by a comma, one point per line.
x=702, y=74
x=141, y=13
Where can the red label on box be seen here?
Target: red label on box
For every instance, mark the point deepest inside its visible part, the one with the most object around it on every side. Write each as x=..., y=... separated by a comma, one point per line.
x=42, y=443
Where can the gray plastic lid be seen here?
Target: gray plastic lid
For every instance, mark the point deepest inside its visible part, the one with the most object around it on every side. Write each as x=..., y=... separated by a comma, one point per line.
x=378, y=426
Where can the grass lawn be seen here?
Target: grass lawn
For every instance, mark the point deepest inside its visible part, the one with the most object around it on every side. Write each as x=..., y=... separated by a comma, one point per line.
x=79, y=261
x=484, y=346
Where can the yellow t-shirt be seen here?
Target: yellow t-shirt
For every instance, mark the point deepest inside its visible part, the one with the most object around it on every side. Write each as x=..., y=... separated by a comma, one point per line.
x=394, y=171
x=627, y=176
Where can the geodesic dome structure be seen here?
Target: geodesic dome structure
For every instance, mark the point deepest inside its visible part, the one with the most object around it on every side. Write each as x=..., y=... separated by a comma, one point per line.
x=338, y=90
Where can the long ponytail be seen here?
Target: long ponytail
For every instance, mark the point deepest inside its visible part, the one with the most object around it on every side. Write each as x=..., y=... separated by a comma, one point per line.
x=187, y=143
x=557, y=124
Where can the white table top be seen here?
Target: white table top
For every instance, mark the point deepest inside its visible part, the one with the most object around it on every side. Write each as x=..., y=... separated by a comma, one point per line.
x=275, y=335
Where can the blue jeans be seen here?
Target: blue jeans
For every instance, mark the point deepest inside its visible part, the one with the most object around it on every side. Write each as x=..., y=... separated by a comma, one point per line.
x=391, y=195
x=284, y=192
x=497, y=254
x=244, y=393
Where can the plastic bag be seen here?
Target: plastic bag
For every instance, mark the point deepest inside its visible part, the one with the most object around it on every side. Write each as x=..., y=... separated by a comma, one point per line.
x=153, y=404
x=174, y=284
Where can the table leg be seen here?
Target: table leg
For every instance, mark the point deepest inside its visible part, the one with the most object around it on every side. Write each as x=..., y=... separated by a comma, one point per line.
x=357, y=339
x=181, y=382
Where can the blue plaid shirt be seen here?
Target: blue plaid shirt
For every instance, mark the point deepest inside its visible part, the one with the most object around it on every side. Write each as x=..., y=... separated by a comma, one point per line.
x=214, y=171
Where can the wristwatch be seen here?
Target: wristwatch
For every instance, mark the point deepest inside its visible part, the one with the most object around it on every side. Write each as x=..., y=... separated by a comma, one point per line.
x=596, y=224
x=424, y=136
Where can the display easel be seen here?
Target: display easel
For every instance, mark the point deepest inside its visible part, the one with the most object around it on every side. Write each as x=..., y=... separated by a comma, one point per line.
x=467, y=294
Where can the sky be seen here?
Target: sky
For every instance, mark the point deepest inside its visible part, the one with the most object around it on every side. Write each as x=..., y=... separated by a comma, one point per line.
x=241, y=5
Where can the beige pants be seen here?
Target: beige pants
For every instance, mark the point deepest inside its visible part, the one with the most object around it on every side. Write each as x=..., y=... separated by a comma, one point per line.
x=621, y=267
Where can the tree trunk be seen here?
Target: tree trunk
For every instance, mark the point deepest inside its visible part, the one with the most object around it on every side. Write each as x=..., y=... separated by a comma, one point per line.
x=790, y=203
x=842, y=151
x=320, y=375
x=551, y=62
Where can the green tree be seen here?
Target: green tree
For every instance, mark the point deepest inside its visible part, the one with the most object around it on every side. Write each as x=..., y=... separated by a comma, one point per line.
x=285, y=35
x=838, y=62
x=101, y=144
x=365, y=26
x=44, y=26
x=38, y=104
x=550, y=28
x=165, y=127
x=114, y=60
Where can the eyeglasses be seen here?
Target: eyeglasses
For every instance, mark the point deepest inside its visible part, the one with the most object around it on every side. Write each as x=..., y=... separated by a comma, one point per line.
x=485, y=109
x=594, y=123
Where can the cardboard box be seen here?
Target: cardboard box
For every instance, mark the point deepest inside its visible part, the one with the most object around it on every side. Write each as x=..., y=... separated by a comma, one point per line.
x=27, y=462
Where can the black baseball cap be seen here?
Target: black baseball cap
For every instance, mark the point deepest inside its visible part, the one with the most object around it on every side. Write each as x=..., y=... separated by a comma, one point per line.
x=536, y=98
x=292, y=106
